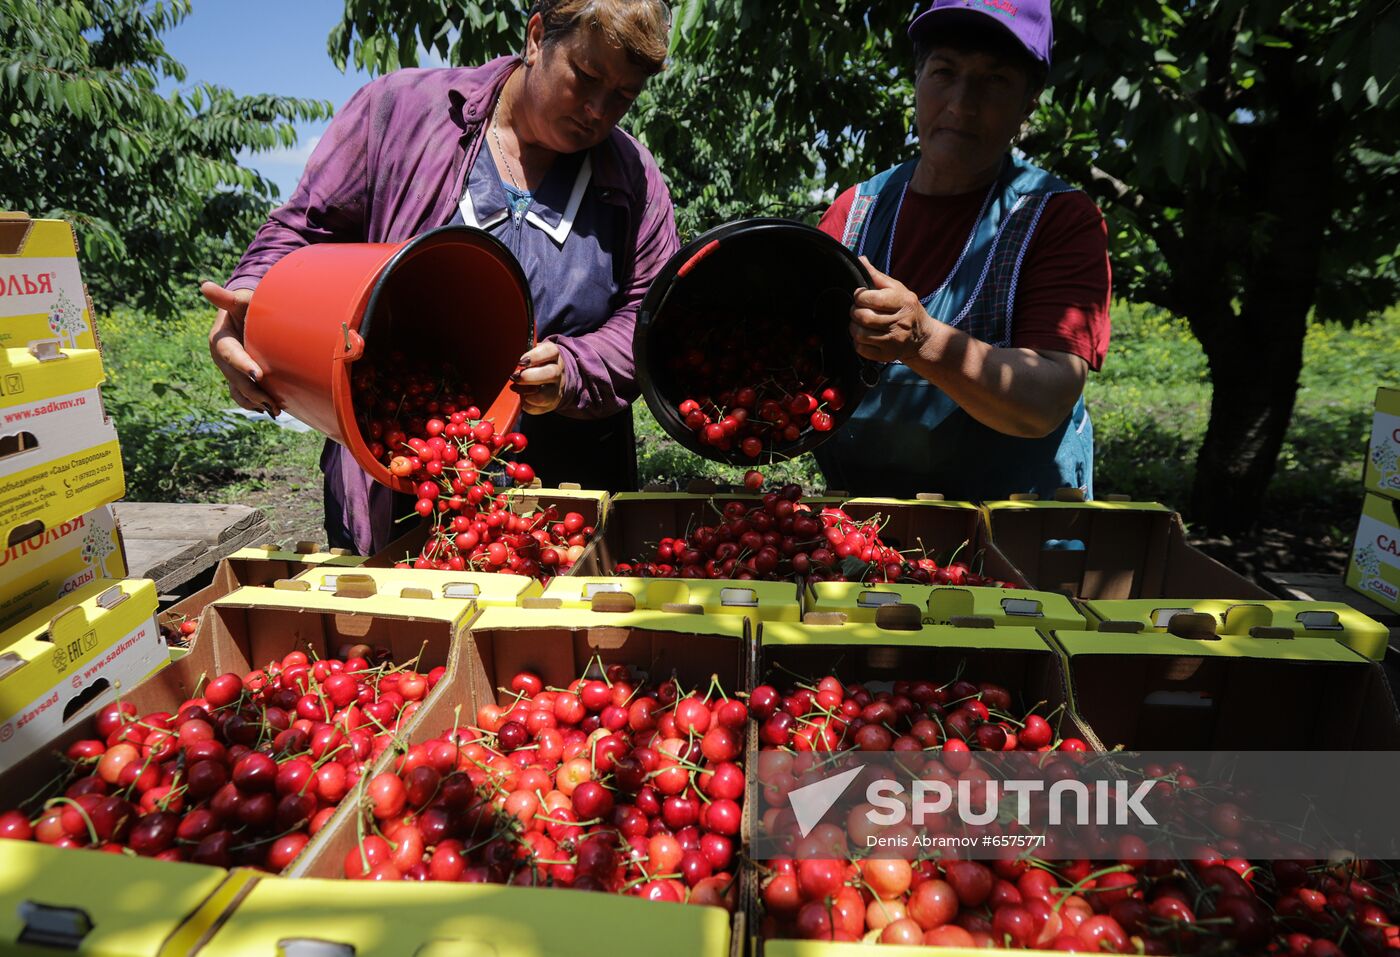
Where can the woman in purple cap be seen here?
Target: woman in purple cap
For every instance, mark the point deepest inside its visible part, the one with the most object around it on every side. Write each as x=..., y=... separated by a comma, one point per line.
x=528, y=149
x=991, y=281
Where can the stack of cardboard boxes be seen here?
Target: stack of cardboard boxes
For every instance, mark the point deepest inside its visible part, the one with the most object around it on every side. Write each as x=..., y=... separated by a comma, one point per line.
x=73, y=631
x=1374, y=569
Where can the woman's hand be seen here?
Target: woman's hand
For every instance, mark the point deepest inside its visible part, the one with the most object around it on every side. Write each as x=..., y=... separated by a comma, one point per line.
x=888, y=322
x=226, y=346
x=539, y=379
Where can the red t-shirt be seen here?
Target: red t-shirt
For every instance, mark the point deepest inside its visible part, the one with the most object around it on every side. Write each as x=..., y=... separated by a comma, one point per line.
x=1063, y=292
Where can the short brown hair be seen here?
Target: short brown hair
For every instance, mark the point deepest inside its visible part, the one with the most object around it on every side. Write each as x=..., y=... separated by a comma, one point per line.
x=641, y=27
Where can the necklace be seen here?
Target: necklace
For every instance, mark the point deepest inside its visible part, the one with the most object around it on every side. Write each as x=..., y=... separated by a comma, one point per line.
x=496, y=133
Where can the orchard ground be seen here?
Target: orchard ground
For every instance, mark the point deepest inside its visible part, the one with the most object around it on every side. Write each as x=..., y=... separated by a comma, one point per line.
x=1150, y=405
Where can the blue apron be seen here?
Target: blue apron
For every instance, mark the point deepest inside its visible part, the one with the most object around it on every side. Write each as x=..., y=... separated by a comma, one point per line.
x=907, y=435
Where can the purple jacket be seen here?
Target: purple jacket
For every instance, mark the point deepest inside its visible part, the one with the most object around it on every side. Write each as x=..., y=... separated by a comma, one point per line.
x=392, y=165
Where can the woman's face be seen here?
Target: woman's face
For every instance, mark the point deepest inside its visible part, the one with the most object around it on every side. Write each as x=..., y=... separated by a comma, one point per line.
x=579, y=87
x=969, y=107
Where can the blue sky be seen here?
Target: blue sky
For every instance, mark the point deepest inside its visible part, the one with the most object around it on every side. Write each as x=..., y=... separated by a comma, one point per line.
x=267, y=46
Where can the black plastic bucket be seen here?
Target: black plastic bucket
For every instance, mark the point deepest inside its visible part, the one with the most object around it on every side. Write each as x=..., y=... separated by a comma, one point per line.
x=728, y=276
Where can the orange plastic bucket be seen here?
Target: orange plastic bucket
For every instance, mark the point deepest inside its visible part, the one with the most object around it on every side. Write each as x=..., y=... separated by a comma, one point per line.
x=456, y=293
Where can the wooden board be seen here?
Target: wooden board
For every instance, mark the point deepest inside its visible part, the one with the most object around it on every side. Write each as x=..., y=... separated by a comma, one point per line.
x=173, y=543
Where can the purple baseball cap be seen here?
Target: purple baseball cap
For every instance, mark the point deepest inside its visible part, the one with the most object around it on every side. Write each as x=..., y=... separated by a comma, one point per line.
x=1026, y=20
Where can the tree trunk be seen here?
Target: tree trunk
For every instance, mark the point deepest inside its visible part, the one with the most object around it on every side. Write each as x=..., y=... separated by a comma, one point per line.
x=1256, y=356
x=1254, y=386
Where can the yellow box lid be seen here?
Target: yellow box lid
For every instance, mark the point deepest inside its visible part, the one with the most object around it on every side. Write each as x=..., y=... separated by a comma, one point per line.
x=435, y=919
x=927, y=636
x=1304, y=619
x=757, y=601
x=304, y=599
x=95, y=903
x=1221, y=646
x=730, y=626
x=942, y=604
x=484, y=588
x=46, y=370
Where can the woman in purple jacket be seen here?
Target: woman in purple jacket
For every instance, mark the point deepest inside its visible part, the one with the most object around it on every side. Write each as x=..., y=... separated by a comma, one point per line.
x=528, y=149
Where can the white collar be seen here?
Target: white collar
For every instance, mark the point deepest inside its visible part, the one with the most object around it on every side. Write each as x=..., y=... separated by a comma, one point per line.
x=557, y=233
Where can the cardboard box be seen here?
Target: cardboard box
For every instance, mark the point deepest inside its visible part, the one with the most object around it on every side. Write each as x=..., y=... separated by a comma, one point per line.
x=58, y=450
x=559, y=645
x=891, y=649
x=1374, y=569
x=1259, y=619
x=253, y=626
x=755, y=601
x=1383, y=455
x=435, y=919
x=593, y=506
x=257, y=566
x=1101, y=549
x=42, y=295
x=60, y=665
x=104, y=905
x=1199, y=691
x=482, y=588
x=38, y=571
x=948, y=604
x=637, y=520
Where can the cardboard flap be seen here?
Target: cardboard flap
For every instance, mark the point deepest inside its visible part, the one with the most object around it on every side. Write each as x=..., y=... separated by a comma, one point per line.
x=824, y=618
x=929, y=497
x=355, y=586
x=899, y=617
x=307, y=548
x=1192, y=625
x=682, y=608
x=539, y=602
x=14, y=232
x=614, y=602
x=291, y=584
x=1069, y=495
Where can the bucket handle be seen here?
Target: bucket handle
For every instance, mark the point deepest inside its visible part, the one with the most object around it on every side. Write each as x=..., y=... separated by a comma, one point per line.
x=354, y=343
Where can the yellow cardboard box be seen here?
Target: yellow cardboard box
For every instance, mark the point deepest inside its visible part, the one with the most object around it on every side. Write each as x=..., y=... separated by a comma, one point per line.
x=754, y=600
x=1383, y=456
x=104, y=905
x=436, y=919
x=38, y=571
x=1197, y=690
x=59, y=665
x=1374, y=569
x=1259, y=619
x=58, y=450
x=42, y=295
x=483, y=588
x=948, y=604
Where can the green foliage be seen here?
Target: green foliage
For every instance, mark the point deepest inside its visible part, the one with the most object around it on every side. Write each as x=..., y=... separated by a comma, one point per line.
x=1236, y=130
x=179, y=441
x=152, y=181
x=1151, y=402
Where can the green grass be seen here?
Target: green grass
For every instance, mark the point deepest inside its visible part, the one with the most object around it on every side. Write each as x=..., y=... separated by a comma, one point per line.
x=170, y=405
x=1149, y=404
